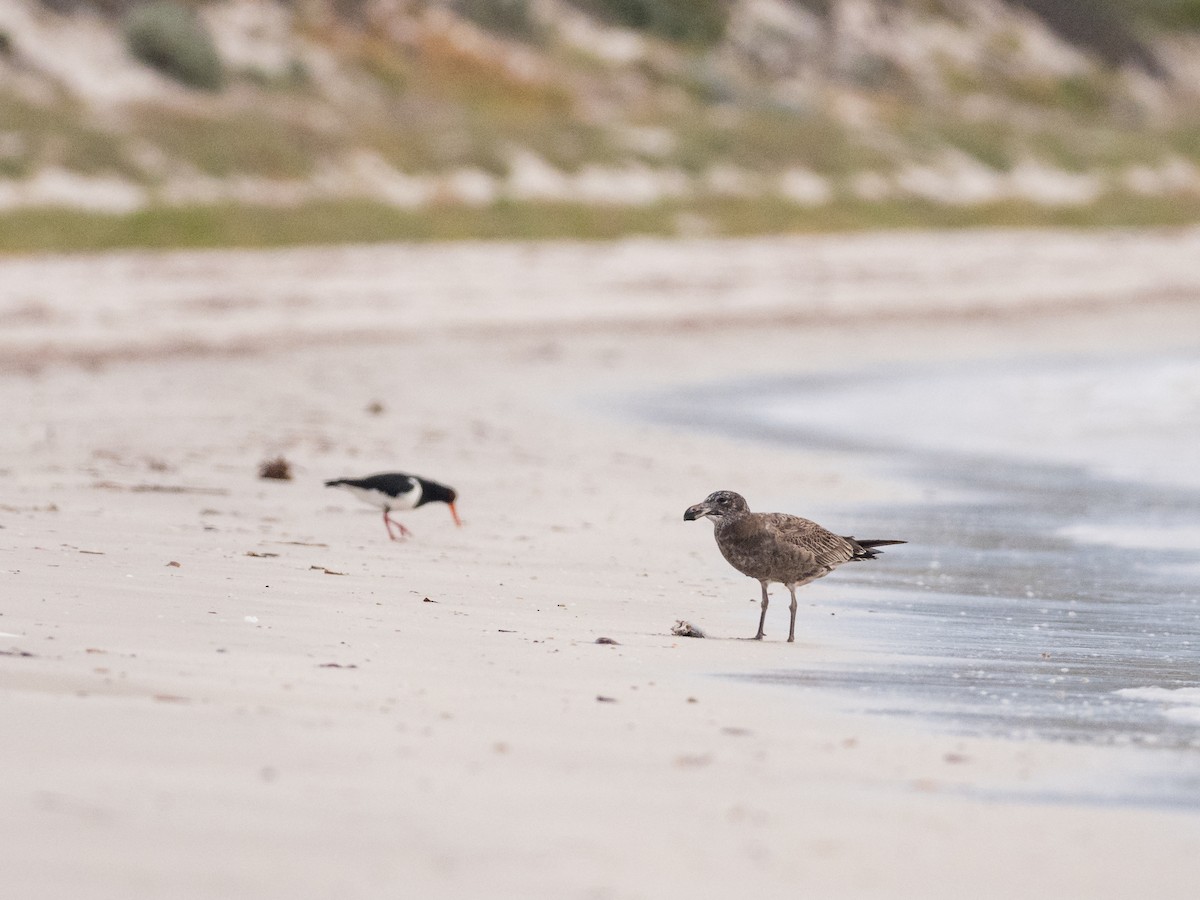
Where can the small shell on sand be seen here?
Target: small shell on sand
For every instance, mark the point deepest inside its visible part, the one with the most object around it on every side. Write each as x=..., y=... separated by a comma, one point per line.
x=687, y=629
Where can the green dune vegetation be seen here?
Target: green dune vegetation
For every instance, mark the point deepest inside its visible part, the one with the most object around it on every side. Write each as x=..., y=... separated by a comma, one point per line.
x=165, y=124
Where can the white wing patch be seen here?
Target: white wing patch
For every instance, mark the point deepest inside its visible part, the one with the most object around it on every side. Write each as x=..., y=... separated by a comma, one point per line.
x=411, y=499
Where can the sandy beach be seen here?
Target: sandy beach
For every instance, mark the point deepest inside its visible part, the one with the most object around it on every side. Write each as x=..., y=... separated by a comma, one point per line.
x=216, y=685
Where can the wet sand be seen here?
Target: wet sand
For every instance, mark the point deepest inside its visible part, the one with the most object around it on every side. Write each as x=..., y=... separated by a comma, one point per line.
x=1061, y=503
x=301, y=708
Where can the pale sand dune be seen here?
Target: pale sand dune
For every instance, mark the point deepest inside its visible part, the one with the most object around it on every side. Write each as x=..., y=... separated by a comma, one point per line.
x=179, y=730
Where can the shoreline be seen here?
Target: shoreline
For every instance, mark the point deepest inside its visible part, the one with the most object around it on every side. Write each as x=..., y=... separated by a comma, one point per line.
x=306, y=725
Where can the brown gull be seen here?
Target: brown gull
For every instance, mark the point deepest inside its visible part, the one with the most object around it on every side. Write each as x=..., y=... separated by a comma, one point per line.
x=777, y=547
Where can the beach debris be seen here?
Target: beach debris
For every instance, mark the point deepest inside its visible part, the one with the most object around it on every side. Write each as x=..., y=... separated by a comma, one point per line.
x=259, y=555
x=600, y=698
x=687, y=629
x=375, y=408
x=736, y=731
x=278, y=468
x=15, y=651
x=606, y=640
x=173, y=564
x=427, y=600
x=159, y=488
x=325, y=570
x=337, y=666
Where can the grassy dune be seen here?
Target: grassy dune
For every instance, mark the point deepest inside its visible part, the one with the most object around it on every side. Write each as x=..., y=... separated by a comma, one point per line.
x=61, y=230
x=432, y=104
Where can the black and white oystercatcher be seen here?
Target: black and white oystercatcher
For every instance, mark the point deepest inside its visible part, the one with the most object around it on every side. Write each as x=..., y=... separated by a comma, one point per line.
x=777, y=547
x=395, y=490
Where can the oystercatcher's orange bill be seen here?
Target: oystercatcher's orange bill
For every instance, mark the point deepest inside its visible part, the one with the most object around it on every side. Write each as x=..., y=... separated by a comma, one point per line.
x=454, y=512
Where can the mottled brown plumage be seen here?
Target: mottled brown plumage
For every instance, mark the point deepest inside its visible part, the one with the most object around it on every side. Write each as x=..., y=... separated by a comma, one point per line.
x=777, y=547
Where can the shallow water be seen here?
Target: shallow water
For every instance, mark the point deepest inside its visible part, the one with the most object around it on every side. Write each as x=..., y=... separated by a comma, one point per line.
x=1050, y=586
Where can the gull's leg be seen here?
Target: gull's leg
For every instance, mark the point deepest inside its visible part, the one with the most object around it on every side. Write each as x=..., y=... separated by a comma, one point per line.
x=792, y=628
x=762, y=618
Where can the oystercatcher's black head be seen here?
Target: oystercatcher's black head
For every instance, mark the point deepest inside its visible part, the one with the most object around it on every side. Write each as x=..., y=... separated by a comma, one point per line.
x=717, y=505
x=432, y=492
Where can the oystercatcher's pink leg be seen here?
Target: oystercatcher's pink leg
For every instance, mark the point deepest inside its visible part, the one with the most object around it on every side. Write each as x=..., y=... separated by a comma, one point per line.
x=404, y=532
